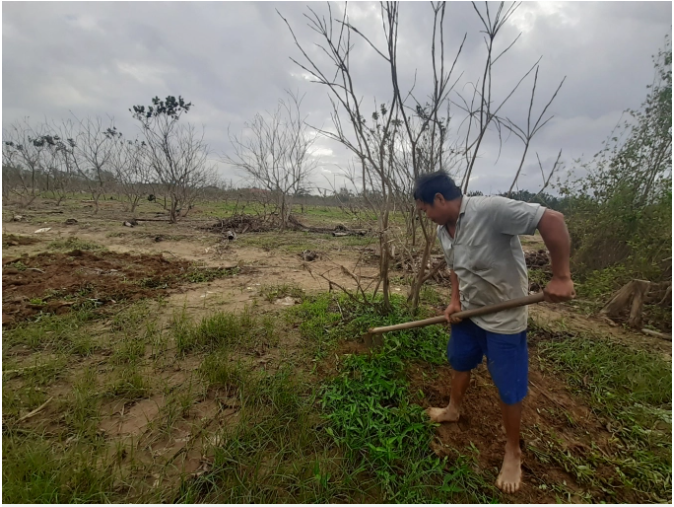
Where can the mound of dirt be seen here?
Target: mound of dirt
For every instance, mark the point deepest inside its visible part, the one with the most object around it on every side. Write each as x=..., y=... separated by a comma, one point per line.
x=54, y=282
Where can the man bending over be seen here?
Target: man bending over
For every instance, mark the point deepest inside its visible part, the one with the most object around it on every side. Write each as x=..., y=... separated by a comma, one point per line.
x=479, y=238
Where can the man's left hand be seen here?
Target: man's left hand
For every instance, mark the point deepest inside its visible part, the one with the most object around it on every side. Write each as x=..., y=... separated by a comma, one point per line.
x=559, y=290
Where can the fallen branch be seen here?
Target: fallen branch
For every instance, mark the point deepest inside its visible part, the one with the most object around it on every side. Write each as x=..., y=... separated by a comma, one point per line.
x=345, y=291
x=38, y=409
x=10, y=372
x=658, y=334
x=436, y=269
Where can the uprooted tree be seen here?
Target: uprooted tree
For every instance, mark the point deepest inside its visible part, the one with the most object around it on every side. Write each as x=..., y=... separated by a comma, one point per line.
x=408, y=136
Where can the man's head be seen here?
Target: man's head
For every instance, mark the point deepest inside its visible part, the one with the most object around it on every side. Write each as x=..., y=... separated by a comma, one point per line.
x=437, y=195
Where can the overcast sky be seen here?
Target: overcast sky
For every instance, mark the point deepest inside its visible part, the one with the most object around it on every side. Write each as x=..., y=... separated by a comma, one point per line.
x=231, y=60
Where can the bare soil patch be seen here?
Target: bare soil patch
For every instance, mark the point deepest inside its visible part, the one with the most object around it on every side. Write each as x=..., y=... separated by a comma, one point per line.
x=549, y=406
x=55, y=282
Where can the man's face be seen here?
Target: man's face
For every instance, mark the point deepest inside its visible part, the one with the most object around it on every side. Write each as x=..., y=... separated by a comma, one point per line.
x=434, y=211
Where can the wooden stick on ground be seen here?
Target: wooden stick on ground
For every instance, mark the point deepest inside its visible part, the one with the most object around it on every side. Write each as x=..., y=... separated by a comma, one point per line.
x=31, y=414
x=656, y=333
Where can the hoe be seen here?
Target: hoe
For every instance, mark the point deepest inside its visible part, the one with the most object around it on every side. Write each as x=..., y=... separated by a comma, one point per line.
x=373, y=336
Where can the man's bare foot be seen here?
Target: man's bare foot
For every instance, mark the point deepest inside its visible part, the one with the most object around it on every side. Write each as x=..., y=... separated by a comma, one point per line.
x=446, y=414
x=510, y=478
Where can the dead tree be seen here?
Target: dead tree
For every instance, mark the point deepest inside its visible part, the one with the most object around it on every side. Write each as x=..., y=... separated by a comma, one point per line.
x=23, y=154
x=275, y=154
x=132, y=170
x=395, y=125
x=92, y=155
x=406, y=135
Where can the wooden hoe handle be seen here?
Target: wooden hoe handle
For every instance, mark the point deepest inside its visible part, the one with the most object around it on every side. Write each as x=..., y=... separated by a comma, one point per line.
x=506, y=305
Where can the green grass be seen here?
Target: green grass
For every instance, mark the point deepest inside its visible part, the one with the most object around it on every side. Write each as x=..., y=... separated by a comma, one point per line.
x=277, y=452
x=61, y=332
x=38, y=470
x=81, y=406
x=372, y=415
x=247, y=330
x=631, y=391
x=315, y=425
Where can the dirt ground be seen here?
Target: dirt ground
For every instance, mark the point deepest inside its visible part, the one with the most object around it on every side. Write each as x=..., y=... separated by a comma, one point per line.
x=548, y=405
x=152, y=261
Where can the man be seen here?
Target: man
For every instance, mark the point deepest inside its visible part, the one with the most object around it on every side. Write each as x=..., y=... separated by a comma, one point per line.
x=479, y=238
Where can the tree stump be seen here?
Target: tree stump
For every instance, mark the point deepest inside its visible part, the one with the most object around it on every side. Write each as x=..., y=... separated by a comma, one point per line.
x=630, y=298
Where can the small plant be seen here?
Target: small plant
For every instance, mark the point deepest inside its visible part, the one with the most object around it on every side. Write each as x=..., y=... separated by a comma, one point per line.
x=218, y=370
x=201, y=275
x=82, y=407
x=18, y=265
x=73, y=243
x=274, y=292
x=131, y=384
x=152, y=283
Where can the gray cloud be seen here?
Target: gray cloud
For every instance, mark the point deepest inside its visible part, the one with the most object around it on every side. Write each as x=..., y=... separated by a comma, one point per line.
x=232, y=60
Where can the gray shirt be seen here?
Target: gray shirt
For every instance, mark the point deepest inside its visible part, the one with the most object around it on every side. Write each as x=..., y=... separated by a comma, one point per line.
x=487, y=257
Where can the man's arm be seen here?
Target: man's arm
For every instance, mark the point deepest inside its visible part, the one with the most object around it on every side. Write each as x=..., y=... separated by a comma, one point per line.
x=556, y=237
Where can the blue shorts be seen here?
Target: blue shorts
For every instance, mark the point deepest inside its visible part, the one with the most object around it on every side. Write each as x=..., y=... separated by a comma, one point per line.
x=507, y=357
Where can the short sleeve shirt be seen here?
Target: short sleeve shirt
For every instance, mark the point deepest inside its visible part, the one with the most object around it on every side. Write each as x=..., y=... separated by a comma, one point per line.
x=487, y=257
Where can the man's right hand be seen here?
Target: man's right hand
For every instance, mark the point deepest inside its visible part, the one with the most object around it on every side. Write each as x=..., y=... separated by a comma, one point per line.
x=454, y=307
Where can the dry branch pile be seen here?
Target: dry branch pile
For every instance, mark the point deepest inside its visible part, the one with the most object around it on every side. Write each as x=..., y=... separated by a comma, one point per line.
x=537, y=260
x=337, y=231
x=242, y=224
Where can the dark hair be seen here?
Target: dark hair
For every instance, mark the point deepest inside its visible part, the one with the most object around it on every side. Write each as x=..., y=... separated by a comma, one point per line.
x=427, y=185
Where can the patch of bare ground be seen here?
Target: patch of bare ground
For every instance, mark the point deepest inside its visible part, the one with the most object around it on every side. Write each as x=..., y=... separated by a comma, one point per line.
x=479, y=431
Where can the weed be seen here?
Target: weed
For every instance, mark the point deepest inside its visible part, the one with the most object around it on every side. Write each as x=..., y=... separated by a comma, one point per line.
x=200, y=274
x=18, y=265
x=45, y=373
x=9, y=240
x=430, y=296
x=221, y=330
x=369, y=408
x=218, y=370
x=631, y=390
x=74, y=243
x=48, y=330
x=82, y=406
x=37, y=470
x=274, y=292
x=131, y=384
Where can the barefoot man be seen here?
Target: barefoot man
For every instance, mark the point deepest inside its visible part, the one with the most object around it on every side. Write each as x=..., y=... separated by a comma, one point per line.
x=479, y=238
